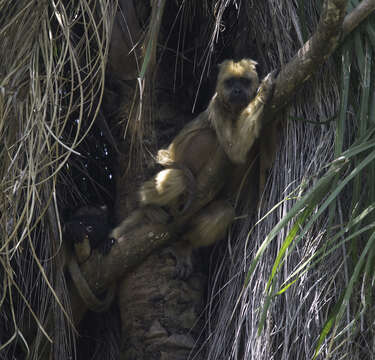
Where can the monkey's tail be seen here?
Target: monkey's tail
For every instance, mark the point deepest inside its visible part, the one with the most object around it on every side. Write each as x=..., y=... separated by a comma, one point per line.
x=191, y=186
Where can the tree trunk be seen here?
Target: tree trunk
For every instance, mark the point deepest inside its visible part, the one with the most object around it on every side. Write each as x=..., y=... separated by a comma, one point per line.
x=160, y=314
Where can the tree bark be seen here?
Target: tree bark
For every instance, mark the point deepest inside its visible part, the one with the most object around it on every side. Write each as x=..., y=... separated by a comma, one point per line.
x=360, y=13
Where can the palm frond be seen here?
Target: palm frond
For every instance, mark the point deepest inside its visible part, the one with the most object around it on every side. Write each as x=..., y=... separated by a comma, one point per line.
x=53, y=59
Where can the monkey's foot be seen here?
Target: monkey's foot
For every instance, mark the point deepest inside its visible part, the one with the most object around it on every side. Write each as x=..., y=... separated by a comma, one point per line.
x=184, y=268
x=182, y=253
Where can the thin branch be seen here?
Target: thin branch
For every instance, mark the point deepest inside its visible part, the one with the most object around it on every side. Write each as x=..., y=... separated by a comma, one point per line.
x=360, y=13
x=312, y=55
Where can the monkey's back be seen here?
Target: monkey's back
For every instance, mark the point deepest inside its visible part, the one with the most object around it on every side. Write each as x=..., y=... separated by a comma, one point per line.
x=193, y=147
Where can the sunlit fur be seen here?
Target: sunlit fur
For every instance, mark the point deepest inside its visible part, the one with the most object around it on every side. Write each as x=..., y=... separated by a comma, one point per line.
x=163, y=188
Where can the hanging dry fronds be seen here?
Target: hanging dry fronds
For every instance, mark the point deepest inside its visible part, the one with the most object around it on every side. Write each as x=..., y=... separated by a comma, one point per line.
x=53, y=59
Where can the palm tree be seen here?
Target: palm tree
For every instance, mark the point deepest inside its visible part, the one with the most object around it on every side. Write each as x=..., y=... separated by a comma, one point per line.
x=90, y=89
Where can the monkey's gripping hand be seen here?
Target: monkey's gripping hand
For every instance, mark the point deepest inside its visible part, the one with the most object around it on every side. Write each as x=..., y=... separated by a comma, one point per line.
x=250, y=122
x=265, y=90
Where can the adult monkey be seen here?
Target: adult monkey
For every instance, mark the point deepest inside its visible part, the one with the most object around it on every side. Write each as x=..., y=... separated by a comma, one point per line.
x=219, y=138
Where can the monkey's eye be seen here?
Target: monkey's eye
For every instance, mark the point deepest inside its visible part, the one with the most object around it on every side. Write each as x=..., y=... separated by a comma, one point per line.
x=245, y=82
x=89, y=228
x=229, y=82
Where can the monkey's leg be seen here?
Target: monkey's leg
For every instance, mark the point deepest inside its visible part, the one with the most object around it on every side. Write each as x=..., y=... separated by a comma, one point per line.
x=207, y=227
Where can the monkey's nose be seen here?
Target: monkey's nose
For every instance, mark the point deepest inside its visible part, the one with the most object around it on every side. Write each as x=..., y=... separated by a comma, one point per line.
x=237, y=91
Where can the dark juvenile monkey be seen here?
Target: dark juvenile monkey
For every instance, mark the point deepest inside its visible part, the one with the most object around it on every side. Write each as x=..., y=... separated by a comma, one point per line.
x=87, y=229
x=229, y=125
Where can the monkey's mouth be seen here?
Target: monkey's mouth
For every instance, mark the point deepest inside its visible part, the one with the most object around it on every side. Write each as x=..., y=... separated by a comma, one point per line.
x=239, y=99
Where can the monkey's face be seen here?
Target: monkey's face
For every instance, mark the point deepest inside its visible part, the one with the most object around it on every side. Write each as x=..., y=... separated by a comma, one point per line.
x=88, y=221
x=237, y=83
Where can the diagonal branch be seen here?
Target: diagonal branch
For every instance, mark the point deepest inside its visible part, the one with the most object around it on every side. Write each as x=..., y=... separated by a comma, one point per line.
x=360, y=13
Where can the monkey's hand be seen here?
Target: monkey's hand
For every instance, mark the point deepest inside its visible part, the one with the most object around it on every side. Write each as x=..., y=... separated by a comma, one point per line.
x=82, y=249
x=182, y=253
x=265, y=90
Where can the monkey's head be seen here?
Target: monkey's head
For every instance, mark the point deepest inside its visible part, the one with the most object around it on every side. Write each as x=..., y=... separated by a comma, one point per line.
x=88, y=221
x=237, y=83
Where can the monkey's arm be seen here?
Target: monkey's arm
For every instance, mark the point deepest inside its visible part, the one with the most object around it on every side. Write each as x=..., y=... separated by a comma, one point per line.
x=250, y=121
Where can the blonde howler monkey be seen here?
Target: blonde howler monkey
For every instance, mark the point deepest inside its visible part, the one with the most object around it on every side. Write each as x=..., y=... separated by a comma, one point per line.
x=230, y=125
